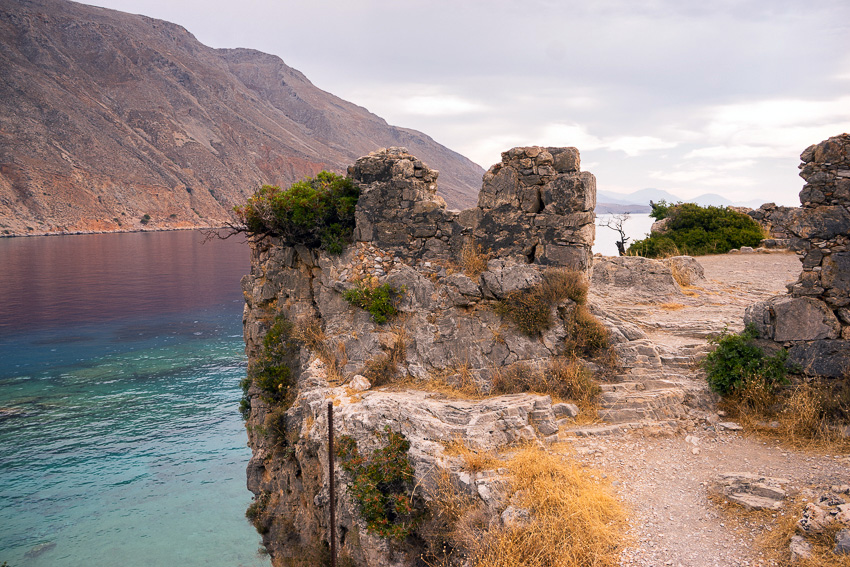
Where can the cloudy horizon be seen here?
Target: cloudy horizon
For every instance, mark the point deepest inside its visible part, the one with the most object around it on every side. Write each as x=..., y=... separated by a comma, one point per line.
x=691, y=98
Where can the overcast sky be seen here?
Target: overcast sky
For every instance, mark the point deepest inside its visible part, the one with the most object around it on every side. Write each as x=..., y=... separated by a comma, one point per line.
x=690, y=96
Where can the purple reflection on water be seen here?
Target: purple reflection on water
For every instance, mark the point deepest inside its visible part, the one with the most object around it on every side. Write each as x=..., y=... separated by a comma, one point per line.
x=50, y=280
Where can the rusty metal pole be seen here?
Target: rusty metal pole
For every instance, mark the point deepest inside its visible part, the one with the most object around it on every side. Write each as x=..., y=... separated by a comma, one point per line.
x=331, y=483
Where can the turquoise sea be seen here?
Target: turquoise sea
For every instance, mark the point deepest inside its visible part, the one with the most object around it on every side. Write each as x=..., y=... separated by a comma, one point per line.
x=120, y=437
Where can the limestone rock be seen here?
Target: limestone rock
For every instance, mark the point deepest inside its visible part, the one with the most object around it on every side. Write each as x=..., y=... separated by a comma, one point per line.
x=842, y=542
x=814, y=519
x=800, y=549
x=784, y=318
x=640, y=277
x=359, y=383
x=752, y=491
x=827, y=358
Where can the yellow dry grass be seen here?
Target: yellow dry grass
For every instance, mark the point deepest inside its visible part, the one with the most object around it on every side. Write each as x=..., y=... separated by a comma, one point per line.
x=574, y=518
x=774, y=531
x=474, y=460
x=473, y=259
x=671, y=306
x=795, y=418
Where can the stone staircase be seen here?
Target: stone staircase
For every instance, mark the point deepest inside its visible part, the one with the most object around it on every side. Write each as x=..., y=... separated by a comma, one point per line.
x=659, y=387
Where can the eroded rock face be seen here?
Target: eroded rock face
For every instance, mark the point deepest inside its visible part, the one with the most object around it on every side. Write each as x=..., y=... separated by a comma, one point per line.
x=811, y=321
x=537, y=214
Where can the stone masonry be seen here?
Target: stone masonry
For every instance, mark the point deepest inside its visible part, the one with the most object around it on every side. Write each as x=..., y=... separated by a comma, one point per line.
x=813, y=321
x=536, y=206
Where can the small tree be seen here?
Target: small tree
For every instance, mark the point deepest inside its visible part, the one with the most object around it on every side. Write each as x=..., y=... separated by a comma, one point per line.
x=616, y=223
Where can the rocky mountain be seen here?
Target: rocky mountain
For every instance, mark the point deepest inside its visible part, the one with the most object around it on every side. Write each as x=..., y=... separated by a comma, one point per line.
x=112, y=121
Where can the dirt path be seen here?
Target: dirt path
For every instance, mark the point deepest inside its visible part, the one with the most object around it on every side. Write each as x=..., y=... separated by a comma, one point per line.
x=666, y=480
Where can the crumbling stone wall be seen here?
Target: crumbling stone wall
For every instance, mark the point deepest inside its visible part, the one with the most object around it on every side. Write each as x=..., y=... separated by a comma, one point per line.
x=774, y=220
x=535, y=210
x=536, y=206
x=814, y=320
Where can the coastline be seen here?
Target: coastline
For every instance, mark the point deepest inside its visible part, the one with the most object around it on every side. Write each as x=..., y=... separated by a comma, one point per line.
x=121, y=231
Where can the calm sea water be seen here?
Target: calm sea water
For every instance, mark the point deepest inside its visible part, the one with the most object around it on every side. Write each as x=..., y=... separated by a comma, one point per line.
x=120, y=438
x=636, y=227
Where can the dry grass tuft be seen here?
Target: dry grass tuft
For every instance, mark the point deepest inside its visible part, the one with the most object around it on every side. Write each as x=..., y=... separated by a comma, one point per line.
x=586, y=335
x=564, y=379
x=671, y=306
x=474, y=460
x=473, y=259
x=383, y=368
x=531, y=309
x=776, y=533
x=807, y=415
x=680, y=274
x=308, y=331
x=574, y=517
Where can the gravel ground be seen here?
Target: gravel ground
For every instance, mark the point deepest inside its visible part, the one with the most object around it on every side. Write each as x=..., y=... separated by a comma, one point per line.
x=666, y=479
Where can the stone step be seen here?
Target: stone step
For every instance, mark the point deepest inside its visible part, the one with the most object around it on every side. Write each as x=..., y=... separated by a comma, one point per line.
x=605, y=429
x=657, y=404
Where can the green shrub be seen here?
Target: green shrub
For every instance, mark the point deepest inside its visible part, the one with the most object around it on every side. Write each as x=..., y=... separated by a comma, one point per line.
x=382, y=484
x=737, y=360
x=257, y=512
x=661, y=209
x=145, y=219
x=316, y=212
x=272, y=372
x=379, y=301
x=697, y=230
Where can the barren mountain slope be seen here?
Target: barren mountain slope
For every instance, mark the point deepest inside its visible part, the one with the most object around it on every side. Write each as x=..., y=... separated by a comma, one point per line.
x=106, y=117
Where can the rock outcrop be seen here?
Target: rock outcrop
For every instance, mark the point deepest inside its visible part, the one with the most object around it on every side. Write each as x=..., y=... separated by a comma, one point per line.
x=535, y=212
x=113, y=121
x=814, y=320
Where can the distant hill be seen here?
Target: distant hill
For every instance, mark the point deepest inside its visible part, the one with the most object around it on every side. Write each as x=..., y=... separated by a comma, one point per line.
x=113, y=121
x=644, y=196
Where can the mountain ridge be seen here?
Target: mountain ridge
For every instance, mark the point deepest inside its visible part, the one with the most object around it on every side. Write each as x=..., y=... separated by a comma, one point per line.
x=113, y=121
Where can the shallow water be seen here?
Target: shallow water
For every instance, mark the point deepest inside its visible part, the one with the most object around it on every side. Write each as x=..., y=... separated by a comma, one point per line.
x=120, y=437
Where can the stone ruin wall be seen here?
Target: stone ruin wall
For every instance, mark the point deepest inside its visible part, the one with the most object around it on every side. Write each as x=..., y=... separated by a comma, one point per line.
x=813, y=321
x=535, y=210
x=535, y=206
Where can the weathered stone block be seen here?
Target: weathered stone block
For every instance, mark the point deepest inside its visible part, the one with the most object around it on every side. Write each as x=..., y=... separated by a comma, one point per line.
x=570, y=193
x=827, y=358
x=783, y=318
x=565, y=160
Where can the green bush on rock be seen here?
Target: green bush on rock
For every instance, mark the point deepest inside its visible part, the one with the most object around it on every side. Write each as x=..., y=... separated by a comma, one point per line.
x=382, y=484
x=315, y=212
x=737, y=360
x=272, y=371
x=697, y=230
x=379, y=301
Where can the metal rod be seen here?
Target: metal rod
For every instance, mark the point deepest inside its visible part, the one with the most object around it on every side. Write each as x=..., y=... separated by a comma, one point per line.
x=331, y=482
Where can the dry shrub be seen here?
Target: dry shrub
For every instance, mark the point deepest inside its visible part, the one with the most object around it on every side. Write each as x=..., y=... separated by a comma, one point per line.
x=474, y=460
x=565, y=378
x=456, y=525
x=308, y=331
x=473, y=259
x=531, y=309
x=574, y=517
x=775, y=538
x=804, y=415
x=383, y=368
x=586, y=335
